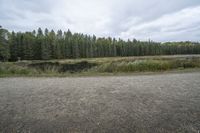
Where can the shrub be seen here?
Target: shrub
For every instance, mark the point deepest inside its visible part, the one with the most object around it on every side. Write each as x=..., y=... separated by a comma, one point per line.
x=145, y=65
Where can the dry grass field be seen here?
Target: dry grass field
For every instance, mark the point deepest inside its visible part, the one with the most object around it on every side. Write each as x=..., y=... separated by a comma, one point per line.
x=99, y=66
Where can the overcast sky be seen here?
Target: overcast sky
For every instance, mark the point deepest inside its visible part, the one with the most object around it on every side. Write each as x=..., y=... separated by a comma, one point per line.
x=159, y=20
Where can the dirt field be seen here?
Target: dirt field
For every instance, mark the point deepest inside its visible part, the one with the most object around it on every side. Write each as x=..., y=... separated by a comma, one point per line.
x=145, y=103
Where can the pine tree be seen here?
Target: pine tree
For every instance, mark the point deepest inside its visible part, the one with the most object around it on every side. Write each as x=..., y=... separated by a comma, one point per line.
x=4, y=45
x=38, y=45
x=45, y=51
x=13, y=46
x=32, y=45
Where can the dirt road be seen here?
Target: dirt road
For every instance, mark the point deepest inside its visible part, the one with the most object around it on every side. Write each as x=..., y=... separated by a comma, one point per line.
x=148, y=103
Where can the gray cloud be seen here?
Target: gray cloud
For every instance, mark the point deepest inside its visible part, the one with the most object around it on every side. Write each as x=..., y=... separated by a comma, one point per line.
x=160, y=20
x=181, y=25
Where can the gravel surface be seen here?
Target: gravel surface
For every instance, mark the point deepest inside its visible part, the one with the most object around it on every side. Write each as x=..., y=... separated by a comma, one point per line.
x=145, y=103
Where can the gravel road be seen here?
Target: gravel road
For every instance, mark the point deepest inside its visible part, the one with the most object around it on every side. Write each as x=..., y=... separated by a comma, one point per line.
x=118, y=104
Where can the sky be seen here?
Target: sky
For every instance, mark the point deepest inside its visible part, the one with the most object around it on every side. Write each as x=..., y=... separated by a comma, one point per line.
x=158, y=20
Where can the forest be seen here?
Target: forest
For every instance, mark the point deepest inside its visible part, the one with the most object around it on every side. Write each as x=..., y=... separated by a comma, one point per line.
x=48, y=44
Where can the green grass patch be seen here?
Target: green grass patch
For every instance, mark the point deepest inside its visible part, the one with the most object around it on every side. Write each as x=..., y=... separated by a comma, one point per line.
x=98, y=66
x=151, y=65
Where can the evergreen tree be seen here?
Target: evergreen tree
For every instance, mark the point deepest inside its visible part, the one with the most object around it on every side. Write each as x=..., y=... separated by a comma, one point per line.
x=32, y=45
x=4, y=46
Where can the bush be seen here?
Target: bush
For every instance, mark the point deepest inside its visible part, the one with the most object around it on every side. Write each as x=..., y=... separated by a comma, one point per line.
x=12, y=69
x=98, y=66
x=145, y=65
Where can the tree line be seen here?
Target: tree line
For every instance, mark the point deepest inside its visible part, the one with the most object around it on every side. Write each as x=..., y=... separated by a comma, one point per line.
x=45, y=45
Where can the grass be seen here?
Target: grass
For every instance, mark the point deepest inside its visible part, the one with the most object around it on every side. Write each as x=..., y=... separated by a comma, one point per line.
x=14, y=69
x=99, y=66
x=148, y=65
